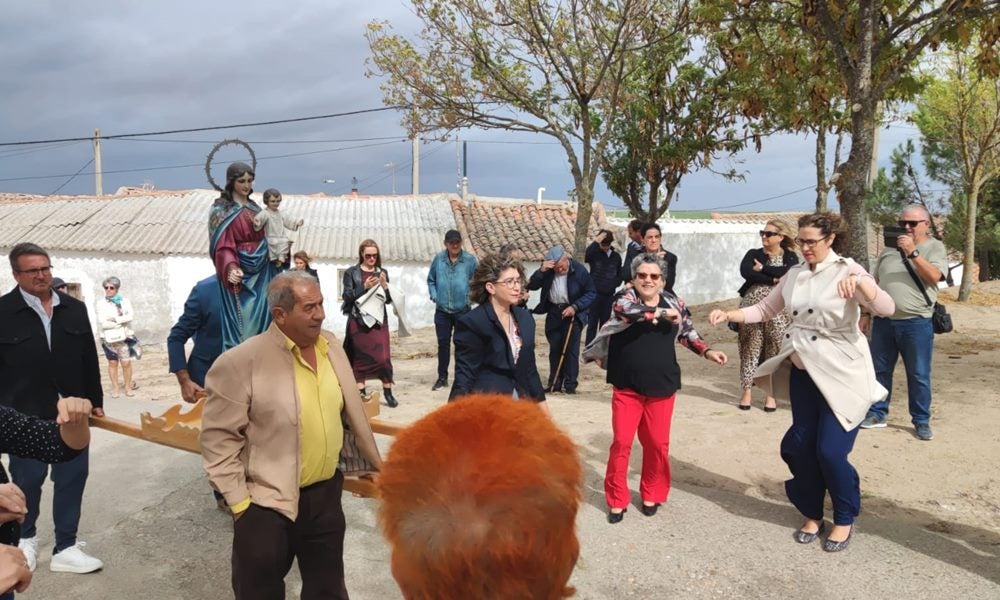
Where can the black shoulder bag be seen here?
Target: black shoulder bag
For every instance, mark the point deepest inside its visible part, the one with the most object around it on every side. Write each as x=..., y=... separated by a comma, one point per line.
x=940, y=319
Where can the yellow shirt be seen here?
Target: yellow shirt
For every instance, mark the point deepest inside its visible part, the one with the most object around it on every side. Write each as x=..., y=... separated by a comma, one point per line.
x=321, y=432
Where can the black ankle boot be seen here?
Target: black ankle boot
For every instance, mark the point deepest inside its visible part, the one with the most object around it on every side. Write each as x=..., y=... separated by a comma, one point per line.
x=390, y=400
x=363, y=392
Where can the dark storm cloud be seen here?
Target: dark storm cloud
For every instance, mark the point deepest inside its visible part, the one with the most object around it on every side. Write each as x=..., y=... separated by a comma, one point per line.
x=125, y=67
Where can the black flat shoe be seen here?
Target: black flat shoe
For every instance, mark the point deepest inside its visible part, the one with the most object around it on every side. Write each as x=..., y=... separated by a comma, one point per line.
x=649, y=511
x=803, y=537
x=743, y=406
x=770, y=408
x=832, y=546
x=616, y=517
x=440, y=383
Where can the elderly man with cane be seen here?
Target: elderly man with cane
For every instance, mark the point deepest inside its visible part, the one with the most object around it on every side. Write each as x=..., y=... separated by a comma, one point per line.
x=567, y=292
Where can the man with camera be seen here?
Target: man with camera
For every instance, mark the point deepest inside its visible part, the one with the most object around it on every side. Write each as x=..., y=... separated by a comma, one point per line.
x=908, y=332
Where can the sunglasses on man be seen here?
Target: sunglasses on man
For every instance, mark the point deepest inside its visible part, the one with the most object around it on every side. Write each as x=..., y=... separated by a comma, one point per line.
x=910, y=224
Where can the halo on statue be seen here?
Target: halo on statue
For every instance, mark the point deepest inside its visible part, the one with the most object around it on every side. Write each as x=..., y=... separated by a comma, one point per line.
x=216, y=148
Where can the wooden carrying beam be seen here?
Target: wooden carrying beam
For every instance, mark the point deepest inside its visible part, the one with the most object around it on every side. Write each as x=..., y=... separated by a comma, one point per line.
x=181, y=430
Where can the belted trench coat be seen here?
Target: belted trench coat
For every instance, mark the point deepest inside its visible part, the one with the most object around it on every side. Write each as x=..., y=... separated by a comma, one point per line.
x=824, y=337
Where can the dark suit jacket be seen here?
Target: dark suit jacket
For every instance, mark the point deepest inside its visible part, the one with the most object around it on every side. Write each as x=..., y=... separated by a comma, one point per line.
x=671, y=274
x=767, y=275
x=579, y=287
x=484, y=360
x=31, y=376
x=201, y=320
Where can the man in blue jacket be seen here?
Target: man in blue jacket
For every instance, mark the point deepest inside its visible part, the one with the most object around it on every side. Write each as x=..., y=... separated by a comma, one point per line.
x=201, y=321
x=448, y=285
x=567, y=291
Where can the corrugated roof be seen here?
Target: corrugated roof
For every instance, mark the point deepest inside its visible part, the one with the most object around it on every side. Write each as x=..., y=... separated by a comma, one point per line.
x=407, y=228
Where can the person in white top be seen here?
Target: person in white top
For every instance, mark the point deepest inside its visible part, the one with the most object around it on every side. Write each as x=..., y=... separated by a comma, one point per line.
x=114, y=314
x=824, y=368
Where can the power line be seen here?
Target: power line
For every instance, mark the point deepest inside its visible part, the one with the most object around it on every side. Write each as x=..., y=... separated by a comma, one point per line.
x=210, y=128
x=169, y=167
x=371, y=139
x=808, y=187
x=78, y=171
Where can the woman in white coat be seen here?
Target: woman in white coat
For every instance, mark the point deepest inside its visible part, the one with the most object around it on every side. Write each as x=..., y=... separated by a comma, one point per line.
x=115, y=316
x=824, y=368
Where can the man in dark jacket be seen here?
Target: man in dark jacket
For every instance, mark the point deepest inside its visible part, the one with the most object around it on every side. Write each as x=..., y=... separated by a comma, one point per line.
x=605, y=269
x=567, y=293
x=633, y=249
x=651, y=244
x=202, y=321
x=47, y=351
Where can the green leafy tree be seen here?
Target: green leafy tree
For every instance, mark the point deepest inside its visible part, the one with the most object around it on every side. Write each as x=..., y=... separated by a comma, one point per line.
x=679, y=116
x=987, y=241
x=891, y=193
x=959, y=118
x=555, y=68
x=875, y=47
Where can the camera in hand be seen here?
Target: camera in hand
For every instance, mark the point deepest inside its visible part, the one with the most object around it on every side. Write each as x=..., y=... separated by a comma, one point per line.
x=891, y=233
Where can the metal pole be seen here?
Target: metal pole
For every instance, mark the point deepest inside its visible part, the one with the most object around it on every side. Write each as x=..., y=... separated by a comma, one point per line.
x=98, y=172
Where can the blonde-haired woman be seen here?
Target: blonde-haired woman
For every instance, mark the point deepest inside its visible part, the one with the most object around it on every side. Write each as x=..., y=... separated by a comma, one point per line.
x=761, y=269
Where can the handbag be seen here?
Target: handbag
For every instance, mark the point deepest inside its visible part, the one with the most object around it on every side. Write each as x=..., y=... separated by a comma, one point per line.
x=113, y=336
x=940, y=319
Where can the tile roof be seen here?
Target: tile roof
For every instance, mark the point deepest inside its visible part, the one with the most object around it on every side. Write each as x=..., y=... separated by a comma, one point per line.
x=490, y=223
x=407, y=228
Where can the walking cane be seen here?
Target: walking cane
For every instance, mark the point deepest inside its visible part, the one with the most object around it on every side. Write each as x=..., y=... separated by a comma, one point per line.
x=562, y=356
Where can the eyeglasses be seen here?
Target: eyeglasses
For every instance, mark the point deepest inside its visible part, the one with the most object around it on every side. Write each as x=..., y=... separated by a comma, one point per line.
x=766, y=234
x=513, y=282
x=910, y=224
x=110, y=287
x=649, y=276
x=371, y=255
x=809, y=243
x=36, y=272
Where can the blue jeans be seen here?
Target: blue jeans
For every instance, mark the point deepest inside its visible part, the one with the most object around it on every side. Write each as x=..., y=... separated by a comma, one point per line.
x=68, y=478
x=444, y=326
x=913, y=339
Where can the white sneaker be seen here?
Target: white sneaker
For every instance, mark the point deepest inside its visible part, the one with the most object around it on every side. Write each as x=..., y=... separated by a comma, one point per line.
x=29, y=546
x=75, y=560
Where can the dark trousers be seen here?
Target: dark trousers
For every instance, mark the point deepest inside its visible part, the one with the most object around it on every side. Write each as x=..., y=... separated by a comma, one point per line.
x=600, y=312
x=68, y=478
x=265, y=542
x=556, y=328
x=815, y=448
x=444, y=327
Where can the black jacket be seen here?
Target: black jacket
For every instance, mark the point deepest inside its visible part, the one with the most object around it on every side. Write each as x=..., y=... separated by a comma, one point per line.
x=767, y=275
x=484, y=360
x=579, y=288
x=605, y=270
x=353, y=287
x=671, y=274
x=31, y=376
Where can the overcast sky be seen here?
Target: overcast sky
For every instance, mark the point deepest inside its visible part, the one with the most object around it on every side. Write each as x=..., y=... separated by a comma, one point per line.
x=130, y=67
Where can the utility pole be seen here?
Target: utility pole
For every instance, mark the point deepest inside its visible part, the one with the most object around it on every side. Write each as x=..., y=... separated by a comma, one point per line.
x=98, y=173
x=415, y=172
x=465, y=170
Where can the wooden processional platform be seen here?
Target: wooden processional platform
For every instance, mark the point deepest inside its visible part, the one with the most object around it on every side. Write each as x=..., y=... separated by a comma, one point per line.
x=178, y=429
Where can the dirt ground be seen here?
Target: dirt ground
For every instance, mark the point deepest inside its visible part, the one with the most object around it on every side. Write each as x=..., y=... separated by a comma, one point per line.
x=930, y=526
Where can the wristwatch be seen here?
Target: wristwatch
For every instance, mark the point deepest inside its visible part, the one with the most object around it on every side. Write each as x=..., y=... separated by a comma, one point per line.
x=913, y=254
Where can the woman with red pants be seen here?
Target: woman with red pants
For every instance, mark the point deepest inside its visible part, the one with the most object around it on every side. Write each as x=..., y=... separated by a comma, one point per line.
x=638, y=350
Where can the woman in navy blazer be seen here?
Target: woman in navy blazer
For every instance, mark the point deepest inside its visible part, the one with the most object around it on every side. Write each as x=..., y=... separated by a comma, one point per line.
x=495, y=342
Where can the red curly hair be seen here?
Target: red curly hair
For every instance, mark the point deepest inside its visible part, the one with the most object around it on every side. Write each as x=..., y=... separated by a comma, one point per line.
x=478, y=500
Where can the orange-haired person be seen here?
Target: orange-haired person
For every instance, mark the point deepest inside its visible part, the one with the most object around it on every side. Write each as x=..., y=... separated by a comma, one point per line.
x=479, y=500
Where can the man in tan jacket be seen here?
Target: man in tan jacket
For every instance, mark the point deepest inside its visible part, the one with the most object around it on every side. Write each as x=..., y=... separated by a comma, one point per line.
x=272, y=435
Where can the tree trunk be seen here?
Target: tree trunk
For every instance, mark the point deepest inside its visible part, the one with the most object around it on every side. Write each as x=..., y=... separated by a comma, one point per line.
x=969, y=251
x=822, y=187
x=584, y=209
x=852, y=187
